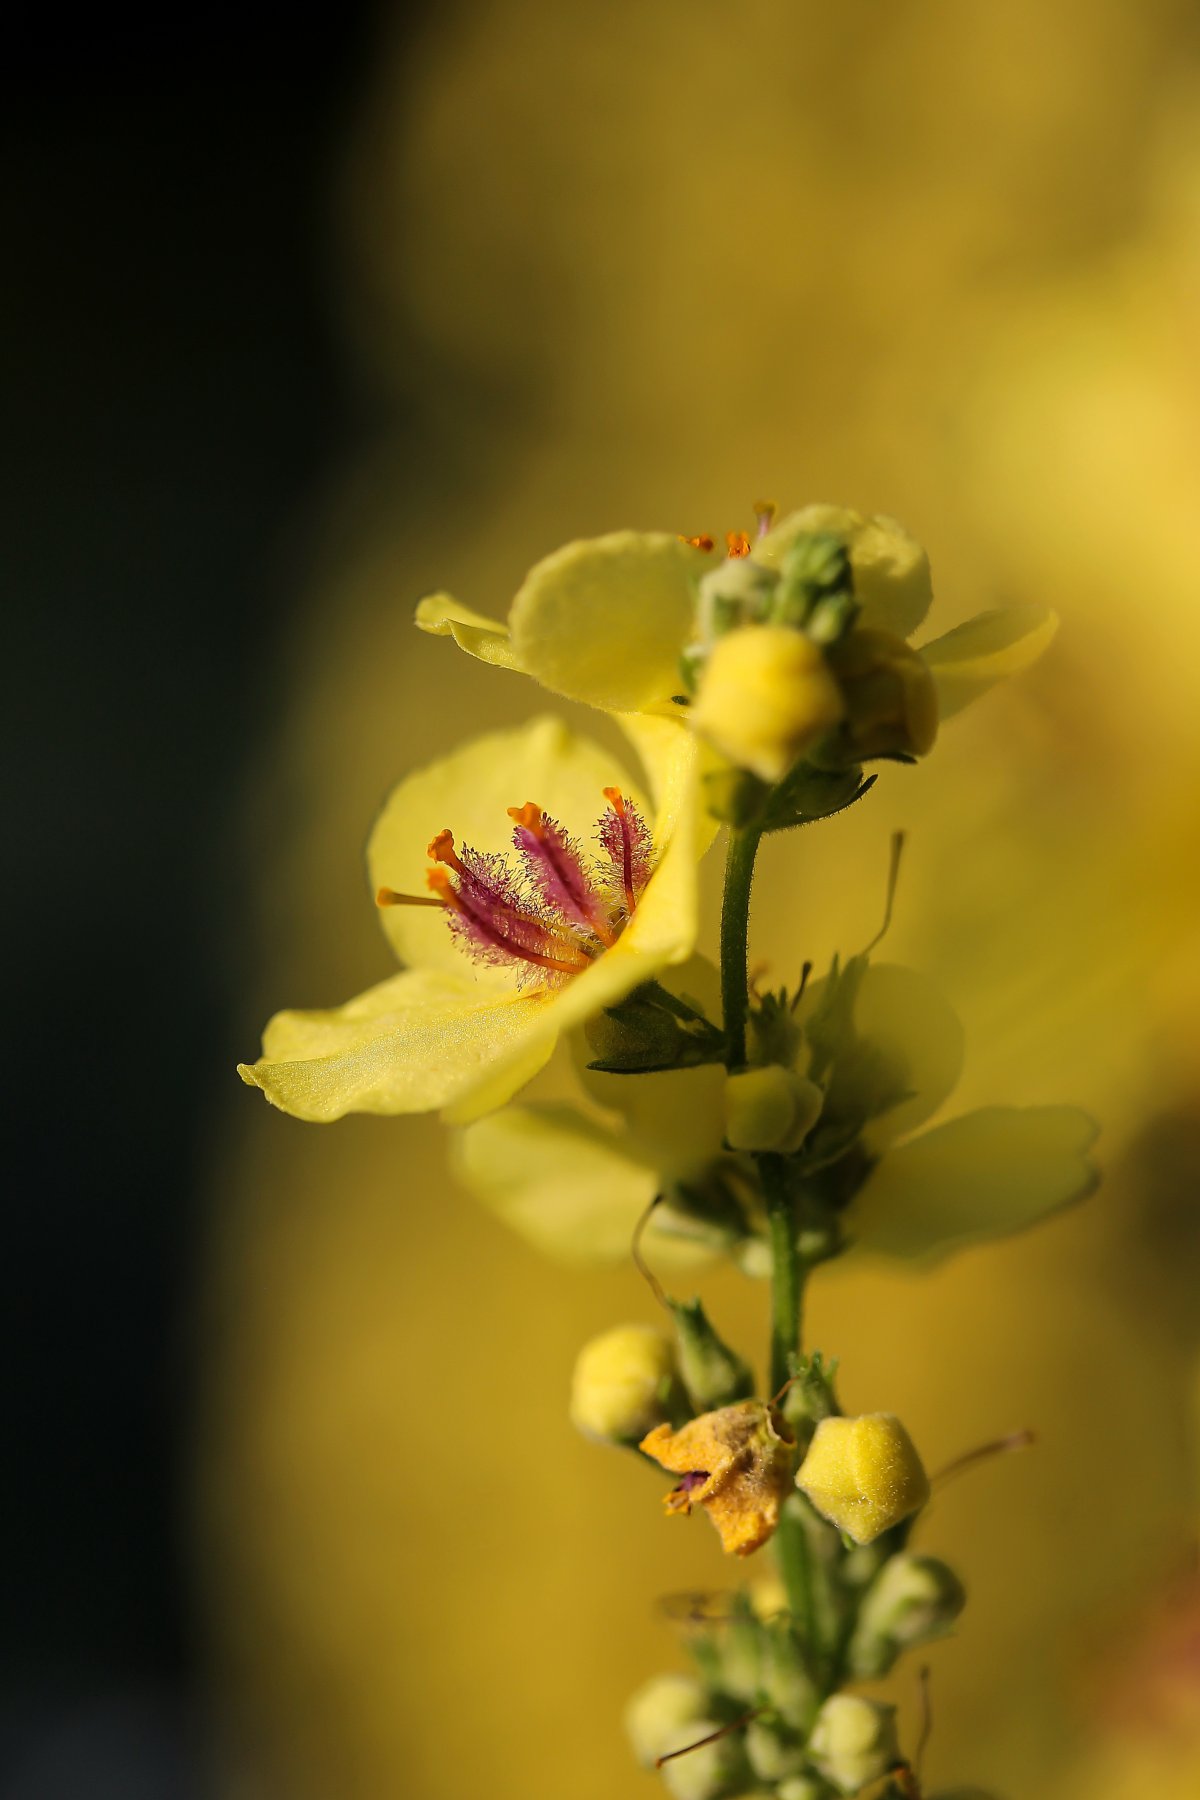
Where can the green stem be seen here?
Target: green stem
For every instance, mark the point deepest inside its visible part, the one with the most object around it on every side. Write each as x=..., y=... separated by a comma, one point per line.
x=735, y=925
x=787, y=1273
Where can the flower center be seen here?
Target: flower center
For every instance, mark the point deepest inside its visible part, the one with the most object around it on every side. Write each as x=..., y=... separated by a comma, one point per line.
x=553, y=908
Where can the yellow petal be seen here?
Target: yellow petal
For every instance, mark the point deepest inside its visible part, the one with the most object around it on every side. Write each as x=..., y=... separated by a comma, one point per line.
x=890, y=569
x=984, y=1175
x=674, y=1117
x=973, y=657
x=674, y=764
x=568, y=1186
x=442, y=616
x=468, y=792
x=604, y=620
x=411, y=1044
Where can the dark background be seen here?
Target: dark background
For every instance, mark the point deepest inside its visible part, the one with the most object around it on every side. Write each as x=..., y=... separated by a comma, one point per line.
x=175, y=397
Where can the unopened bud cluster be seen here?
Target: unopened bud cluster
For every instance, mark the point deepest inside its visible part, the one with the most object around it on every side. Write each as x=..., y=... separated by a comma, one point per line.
x=762, y=1714
x=799, y=650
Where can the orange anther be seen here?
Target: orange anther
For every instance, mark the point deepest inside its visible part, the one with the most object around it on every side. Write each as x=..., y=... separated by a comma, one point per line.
x=439, y=883
x=703, y=542
x=616, y=800
x=529, y=816
x=442, y=850
x=738, y=543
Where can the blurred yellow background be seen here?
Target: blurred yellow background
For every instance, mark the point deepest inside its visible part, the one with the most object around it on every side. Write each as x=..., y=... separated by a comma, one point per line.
x=637, y=266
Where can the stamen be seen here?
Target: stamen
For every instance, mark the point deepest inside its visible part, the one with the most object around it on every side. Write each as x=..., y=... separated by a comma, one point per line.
x=616, y=801
x=486, y=928
x=556, y=909
x=764, y=512
x=703, y=542
x=557, y=871
x=442, y=851
x=389, y=897
x=738, y=543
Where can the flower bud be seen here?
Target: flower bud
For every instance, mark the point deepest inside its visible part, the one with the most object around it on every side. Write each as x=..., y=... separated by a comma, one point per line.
x=766, y=696
x=771, y=1108
x=713, y=1374
x=853, y=1741
x=889, y=698
x=911, y=1600
x=621, y=1383
x=863, y=1474
x=661, y=1708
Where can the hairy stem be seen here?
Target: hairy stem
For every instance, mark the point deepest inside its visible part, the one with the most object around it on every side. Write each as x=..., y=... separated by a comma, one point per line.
x=735, y=923
x=787, y=1273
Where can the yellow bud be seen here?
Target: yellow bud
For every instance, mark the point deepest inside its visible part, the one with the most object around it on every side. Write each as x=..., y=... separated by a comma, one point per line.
x=889, y=694
x=619, y=1382
x=766, y=695
x=664, y=1706
x=863, y=1474
x=770, y=1109
x=853, y=1741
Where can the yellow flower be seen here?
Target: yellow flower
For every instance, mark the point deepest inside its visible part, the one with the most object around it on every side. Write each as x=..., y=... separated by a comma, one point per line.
x=507, y=951
x=863, y=1475
x=736, y=1463
x=606, y=620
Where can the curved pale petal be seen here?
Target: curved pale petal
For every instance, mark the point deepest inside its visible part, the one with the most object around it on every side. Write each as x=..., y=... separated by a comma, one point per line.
x=567, y=1186
x=604, y=620
x=904, y=1015
x=984, y=1175
x=442, y=616
x=973, y=657
x=675, y=1118
x=891, y=570
x=468, y=792
x=910, y=1019
x=411, y=1044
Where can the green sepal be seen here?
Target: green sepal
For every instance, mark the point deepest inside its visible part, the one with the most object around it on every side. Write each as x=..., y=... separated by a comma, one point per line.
x=735, y=796
x=808, y=793
x=713, y=1374
x=811, y=1396
x=651, y=1031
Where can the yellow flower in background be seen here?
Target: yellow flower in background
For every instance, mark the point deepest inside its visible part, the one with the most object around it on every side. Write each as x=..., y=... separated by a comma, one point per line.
x=736, y=1463
x=611, y=621
x=574, y=1184
x=888, y=1049
x=537, y=942
x=878, y=1052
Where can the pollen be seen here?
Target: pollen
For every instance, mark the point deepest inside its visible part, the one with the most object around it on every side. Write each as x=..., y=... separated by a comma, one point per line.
x=737, y=543
x=703, y=542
